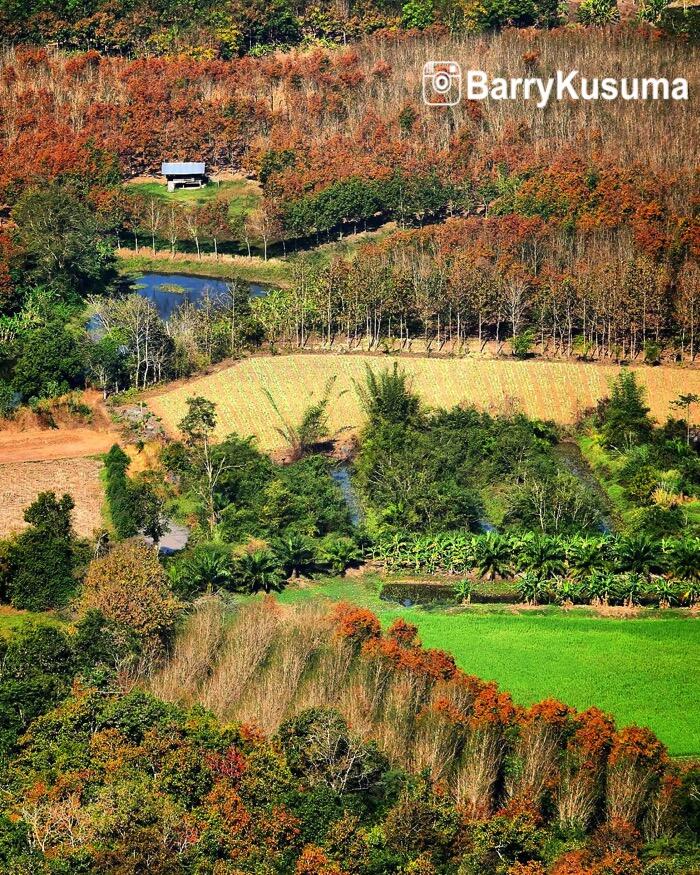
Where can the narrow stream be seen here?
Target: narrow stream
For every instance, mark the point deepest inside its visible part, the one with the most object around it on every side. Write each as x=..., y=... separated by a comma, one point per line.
x=341, y=474
x=570, y=456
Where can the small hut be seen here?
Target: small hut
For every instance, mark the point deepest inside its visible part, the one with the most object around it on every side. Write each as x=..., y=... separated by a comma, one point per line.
x=184, y=174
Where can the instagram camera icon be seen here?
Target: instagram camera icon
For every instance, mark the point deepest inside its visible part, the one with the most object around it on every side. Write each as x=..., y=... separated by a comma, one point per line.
x=442, y=83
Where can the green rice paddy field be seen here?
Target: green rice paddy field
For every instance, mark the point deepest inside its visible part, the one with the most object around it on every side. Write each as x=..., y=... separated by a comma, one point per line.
x=644, y=671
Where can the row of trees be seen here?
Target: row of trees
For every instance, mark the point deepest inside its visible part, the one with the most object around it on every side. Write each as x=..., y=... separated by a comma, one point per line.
x=507, y=280
x=202, y=32
x=208, y=224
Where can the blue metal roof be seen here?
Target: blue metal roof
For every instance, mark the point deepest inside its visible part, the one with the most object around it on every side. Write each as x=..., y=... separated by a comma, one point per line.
x=182, y=168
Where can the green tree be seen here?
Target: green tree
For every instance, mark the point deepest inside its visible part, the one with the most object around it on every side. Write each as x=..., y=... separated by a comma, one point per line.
x=417, y=13
x=63, y=242
x=129, y=587
x=319, y=747
x=386, y=397
x=50, y=362
x=198, y=426
x=42, y=557
x=598, y=12
x=685, y=402
x=624, y=417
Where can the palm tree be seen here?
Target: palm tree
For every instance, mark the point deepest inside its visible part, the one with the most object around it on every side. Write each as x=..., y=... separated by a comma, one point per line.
x=683, y=559
x=567, y=590
x=638, y=553
x=493, y=555
x=259, y=570
x=339, y=553
x=585, y=555
x=208, y=568
x=543, y=555
x=295, y=554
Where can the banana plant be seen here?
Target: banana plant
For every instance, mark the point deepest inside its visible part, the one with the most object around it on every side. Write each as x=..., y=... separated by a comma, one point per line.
x=463, y=591
x=631, y=587
x=532, y=588
x=600, y=586
x=666, y=592
x=567, y=590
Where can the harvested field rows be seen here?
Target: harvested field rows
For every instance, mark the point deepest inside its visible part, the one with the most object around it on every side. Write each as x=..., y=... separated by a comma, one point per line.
x=546, y=390
x=20, y=483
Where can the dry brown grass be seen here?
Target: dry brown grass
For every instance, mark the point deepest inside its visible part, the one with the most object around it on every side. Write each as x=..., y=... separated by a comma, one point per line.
x=21, y=482
x=268, y=662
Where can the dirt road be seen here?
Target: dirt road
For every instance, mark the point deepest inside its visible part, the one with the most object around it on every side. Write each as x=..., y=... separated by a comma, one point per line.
x=38, y=445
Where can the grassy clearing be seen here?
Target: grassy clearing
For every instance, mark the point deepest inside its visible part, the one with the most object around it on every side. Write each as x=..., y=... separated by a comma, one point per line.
x=644, y=671
x=252, y=270
x=12, y=621
x=243, y=195
x=545, y=390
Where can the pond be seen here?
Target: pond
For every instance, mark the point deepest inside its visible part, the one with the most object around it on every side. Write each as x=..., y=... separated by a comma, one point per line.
x=168, y=291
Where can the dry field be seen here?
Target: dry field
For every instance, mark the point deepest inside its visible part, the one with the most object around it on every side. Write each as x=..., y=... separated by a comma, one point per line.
x=547, y=390
x=21, y=482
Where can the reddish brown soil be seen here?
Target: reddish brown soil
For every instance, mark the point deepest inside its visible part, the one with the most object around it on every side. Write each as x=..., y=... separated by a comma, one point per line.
x=36, y=445
x=28, y=438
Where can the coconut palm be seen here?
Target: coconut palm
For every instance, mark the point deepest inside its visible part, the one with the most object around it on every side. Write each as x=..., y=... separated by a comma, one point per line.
x=259, y=570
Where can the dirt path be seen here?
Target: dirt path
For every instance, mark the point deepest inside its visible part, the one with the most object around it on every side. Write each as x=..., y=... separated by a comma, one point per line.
x=39, y=445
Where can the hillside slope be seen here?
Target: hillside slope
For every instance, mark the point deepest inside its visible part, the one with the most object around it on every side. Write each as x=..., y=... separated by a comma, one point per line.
x=545, y=390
